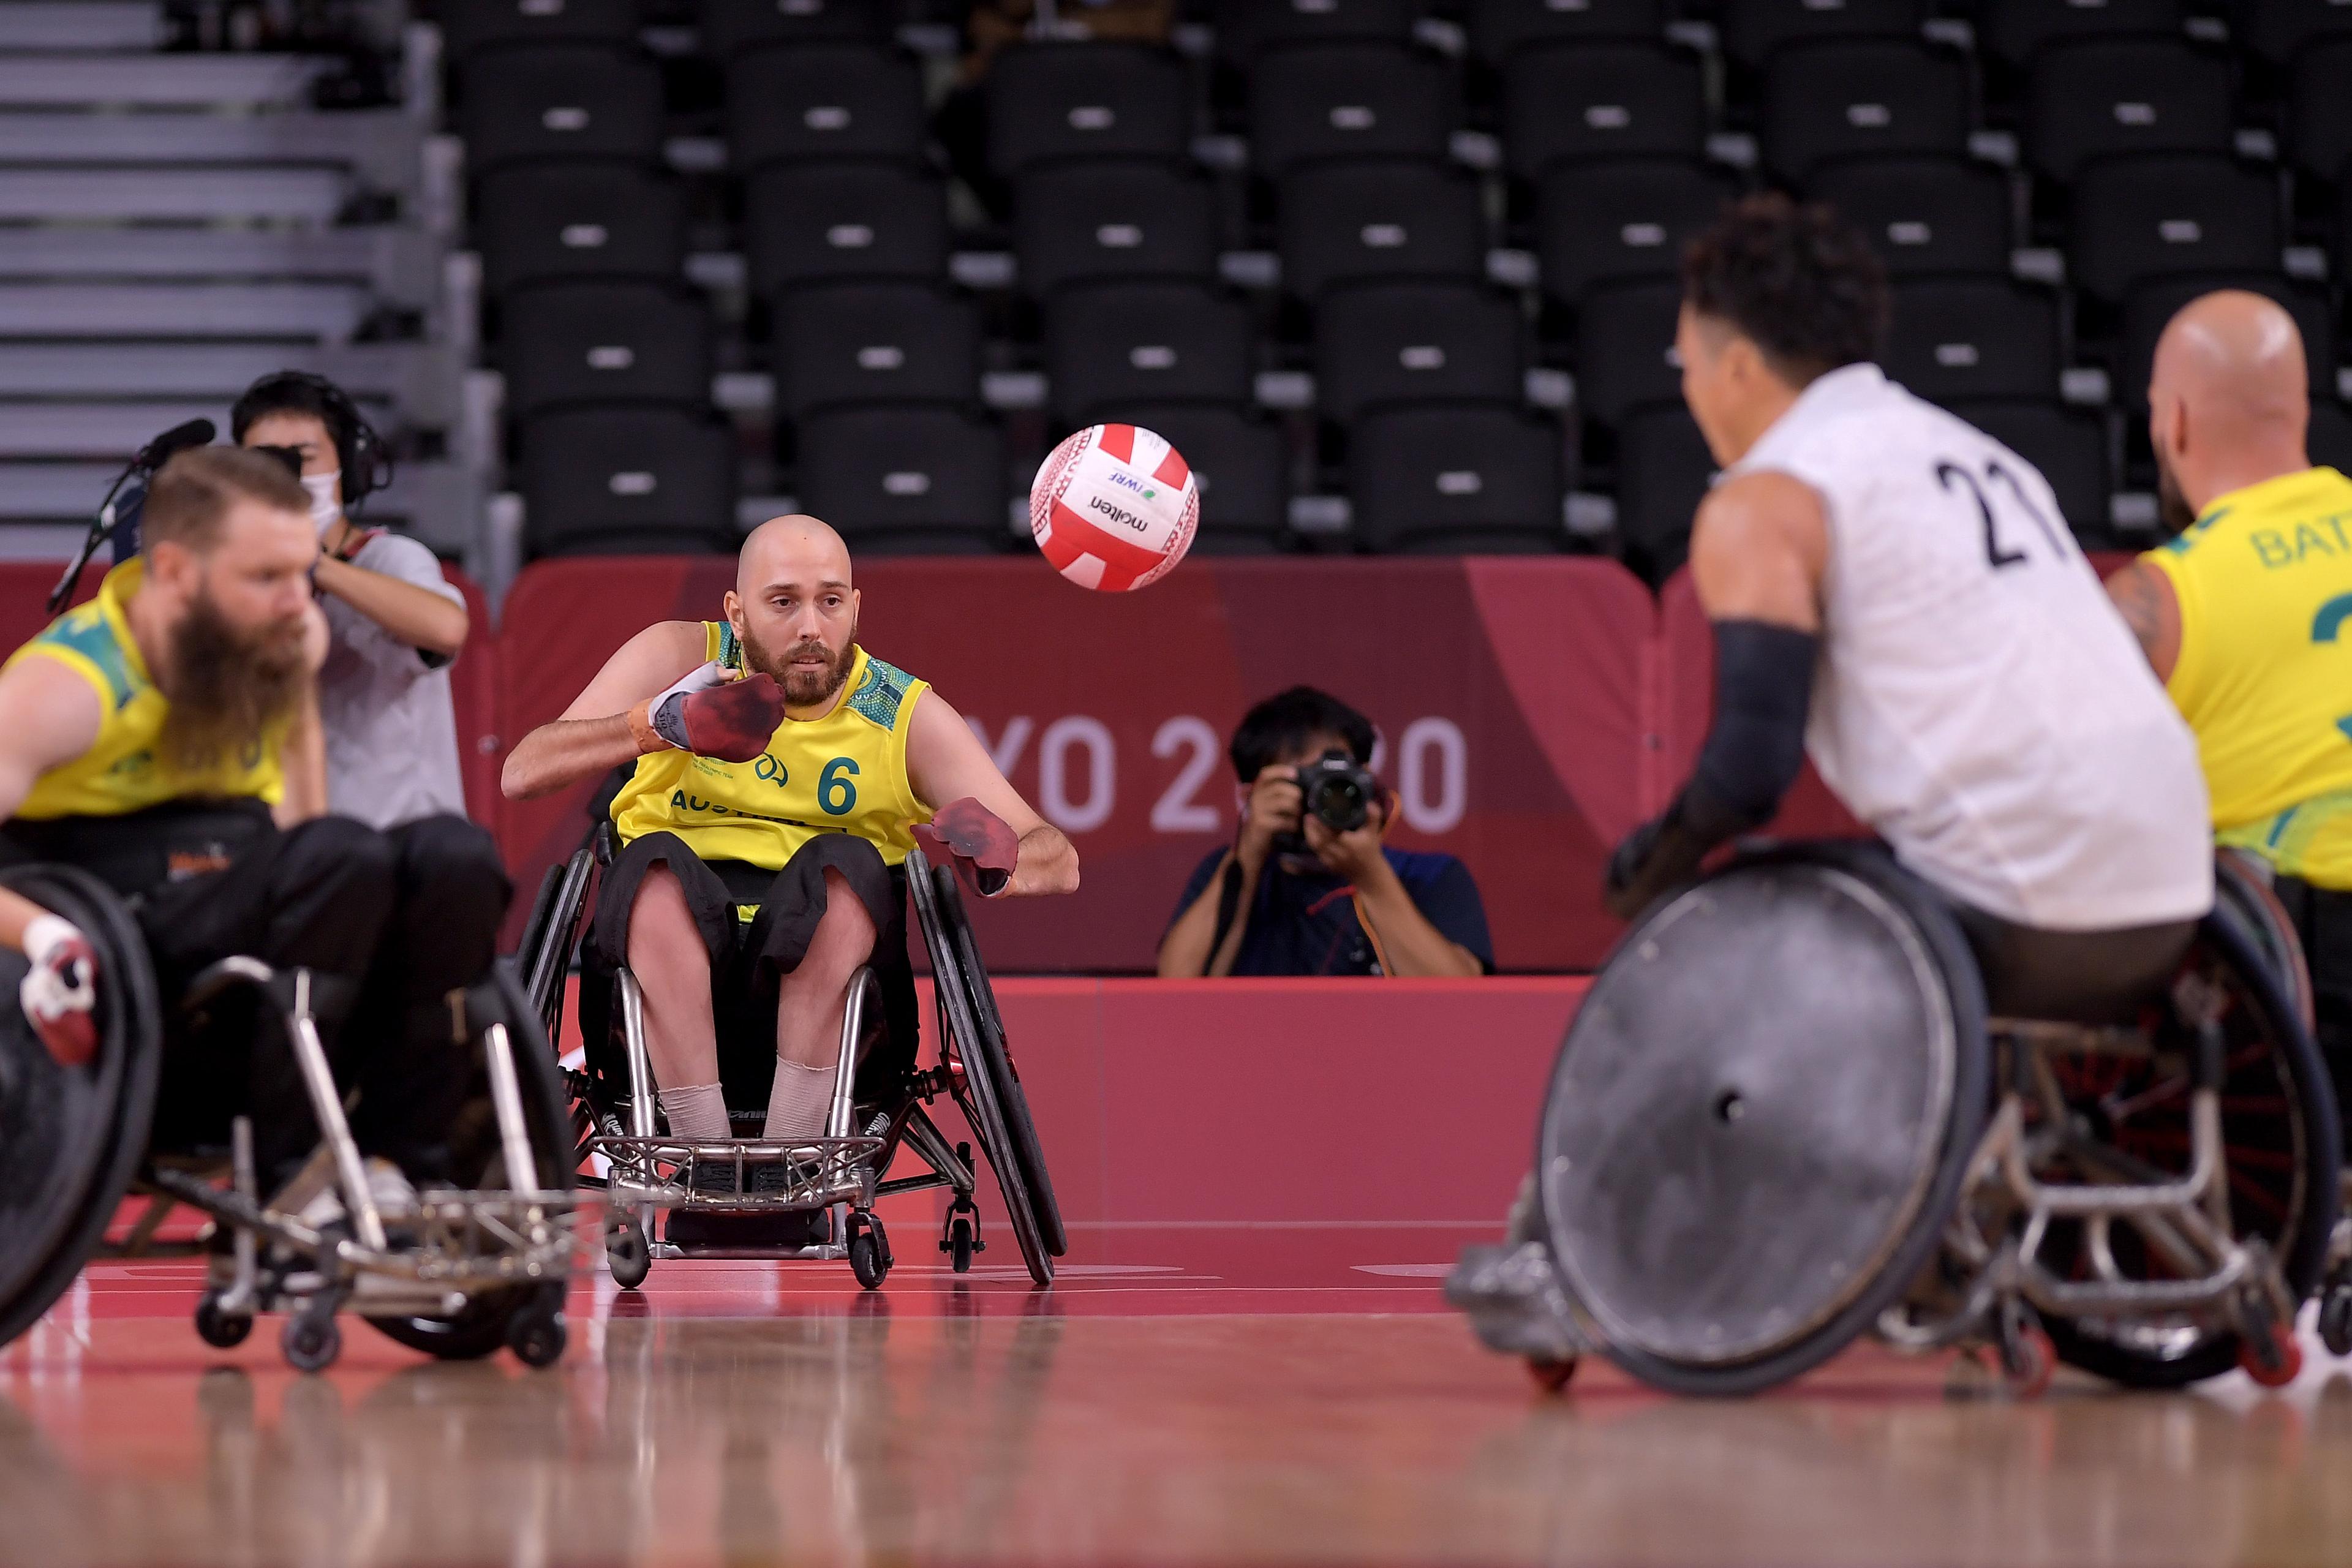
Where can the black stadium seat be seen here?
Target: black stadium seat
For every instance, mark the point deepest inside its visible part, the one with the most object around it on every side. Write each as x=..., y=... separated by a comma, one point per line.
x=1147, y=342
x=474, y=25
x=1240, y=462
x=1923, y=214
x=559, y=100
x=2013, y=31
x=829, y=221
x=1844, y=99
x=2137, y=218
x=536, y=222
x=1416, y=342
x=2095, y=99
x=2279, y=31
x=824, y=101
x=573, y=343
x=1601, y=101
x=1625, y=350
x=1356, y=222
x=627, y=480
x=905, y=480
x=1108, y=219
x=2067, y=446
x=1664, y=469
x=2330, y=439
x=1449, y=480
x=875, y=343
x=1247, y=28
x=1595, y=222
x=731, y=26
x=1971, y=338
x=1086, y=100
x=2153, y=305
x=2319, y=109
x=1753, y=29
x=1499, y=27
x=1351, y=100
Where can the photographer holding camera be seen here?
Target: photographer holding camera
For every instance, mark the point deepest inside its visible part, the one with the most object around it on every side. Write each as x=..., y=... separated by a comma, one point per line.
x=1308, y=887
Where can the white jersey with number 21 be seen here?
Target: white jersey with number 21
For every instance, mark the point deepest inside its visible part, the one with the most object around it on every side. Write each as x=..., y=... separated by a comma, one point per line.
x=1978, y=702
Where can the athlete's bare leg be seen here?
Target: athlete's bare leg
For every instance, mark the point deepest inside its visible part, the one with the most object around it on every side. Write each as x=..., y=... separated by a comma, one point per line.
x=673, y=969
x=810, y=1006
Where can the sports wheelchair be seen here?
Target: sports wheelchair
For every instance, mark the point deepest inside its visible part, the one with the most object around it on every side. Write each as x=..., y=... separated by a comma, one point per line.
x=462, y=1273
x=1726, y=1196
x=835, y=1179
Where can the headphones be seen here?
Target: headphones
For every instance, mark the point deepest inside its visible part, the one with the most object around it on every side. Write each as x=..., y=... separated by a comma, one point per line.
x=362, y=454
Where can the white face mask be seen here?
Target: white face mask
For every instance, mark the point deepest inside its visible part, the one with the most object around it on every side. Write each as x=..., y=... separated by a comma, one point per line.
x=324, y=508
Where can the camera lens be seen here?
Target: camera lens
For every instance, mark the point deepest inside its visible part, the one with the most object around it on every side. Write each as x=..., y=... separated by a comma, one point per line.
x=1340, y=804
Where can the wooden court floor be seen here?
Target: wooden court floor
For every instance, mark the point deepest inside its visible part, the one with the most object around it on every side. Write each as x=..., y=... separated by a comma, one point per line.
x=1184, y=1396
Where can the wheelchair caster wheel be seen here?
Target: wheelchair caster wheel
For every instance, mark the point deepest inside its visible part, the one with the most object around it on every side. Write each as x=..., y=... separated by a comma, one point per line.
x=2028, y=1360
x=218, y=1329
x=538, y=1335
x=2271, y=1354
x=1552, y=1376
x=311, y=1340
x=630, y=1259
x=870, y=1254
x=2336, y=1322
x=962, y=1241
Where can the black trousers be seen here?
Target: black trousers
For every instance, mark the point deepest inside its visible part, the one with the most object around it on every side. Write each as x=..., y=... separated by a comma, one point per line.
x=2073, y=976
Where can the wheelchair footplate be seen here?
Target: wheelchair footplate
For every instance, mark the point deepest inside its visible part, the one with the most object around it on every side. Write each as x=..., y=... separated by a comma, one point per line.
x=835, y=1179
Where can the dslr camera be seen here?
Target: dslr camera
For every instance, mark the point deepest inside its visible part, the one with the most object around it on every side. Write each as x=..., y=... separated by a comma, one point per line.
x=1337, y=791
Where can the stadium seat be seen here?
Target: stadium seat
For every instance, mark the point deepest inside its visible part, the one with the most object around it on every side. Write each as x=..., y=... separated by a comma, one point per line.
x=731, y=27
x=474, y=25
x=1498, y=29
x=2013, y=31
x=1753, y=29
x=627, y=480
x=571, y=344
x=1968, y=338
x=1923, y=214
x=827, y=222
x=2069, y=446
x=1098, y=220
x=2278, y=32
x=558, y=100
x=1595, y=222
x=1601, y=101
x=1416, y=342
x=2319, y=109
x=2095, y=99
x=1357, y=222
x=1146, y=343
x=1456, y=481
x=2137, y=218
x=1625, y=355
x=1239, y=461
x=1351, y=100
x=538, y=222
x=1844, y=99
x=823, y=100
x=1246, y=28
x=874, y=343
x=905, y=480
x=2329, y=441
x=2153, y=305
x=1086, y=100
x=1664, y=469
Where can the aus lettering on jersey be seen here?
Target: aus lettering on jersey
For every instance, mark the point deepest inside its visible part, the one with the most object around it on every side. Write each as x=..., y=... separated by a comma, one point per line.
x=2320, y=536
x=681, y=800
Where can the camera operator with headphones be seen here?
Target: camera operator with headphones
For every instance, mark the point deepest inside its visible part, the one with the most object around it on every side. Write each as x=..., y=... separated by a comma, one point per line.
x=395, y=623
x=1308, y=887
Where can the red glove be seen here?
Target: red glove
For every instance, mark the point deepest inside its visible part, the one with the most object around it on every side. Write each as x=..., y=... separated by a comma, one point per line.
x=713, y=716
x=984, y=849
x=59, y=992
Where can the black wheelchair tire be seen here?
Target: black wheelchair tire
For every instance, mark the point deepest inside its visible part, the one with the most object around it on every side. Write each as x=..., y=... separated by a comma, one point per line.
x=1969, y=1098
x=1006, y=1078
x=46, y=1268
x=482, y=1327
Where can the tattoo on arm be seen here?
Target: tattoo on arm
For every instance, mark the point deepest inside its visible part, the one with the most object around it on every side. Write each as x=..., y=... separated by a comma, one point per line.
x=2141, y=604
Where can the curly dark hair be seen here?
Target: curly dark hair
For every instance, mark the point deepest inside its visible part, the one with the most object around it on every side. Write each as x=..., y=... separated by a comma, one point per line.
x=1798, y=280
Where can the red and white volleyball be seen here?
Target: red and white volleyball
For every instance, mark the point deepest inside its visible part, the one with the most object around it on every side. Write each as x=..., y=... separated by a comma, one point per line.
x=1114, y=508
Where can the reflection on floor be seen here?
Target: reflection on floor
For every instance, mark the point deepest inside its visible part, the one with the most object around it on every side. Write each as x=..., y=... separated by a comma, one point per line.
x=1183, y=1396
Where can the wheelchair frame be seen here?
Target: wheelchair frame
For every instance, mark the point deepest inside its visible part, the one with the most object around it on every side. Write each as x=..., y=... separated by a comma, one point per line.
x=846, y=1170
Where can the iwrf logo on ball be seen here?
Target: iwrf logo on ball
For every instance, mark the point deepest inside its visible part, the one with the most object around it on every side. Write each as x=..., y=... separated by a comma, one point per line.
x=1114, y=508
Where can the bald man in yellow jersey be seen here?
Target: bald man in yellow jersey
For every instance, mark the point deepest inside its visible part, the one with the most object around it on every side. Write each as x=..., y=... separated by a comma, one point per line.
x=780, y=776
x=2247, y=616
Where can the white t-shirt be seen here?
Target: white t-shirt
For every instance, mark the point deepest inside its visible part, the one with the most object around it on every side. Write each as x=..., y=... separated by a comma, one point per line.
x=391, y=727
x=1979, y=703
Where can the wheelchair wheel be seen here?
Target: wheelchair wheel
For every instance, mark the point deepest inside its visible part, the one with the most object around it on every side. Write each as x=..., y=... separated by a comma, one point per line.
x=544, y=958
x=1004, y=1077
x=2280, y=1136
x=2242, y=886
x=486, y=1322
x=72, y=1138
x=1733, y=1193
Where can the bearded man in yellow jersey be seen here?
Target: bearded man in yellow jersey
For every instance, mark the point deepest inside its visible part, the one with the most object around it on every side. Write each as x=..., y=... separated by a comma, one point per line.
x=780, y=777
x=164, y=738
x=2247, y=616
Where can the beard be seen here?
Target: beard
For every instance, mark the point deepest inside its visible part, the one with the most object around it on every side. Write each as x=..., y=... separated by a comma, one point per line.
x=228, y=687
x=804, y=685
x=2173, y=512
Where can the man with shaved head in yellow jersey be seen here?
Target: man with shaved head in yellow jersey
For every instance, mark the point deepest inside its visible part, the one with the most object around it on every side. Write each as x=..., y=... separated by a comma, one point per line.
x=2247, y=616
x=781, y=777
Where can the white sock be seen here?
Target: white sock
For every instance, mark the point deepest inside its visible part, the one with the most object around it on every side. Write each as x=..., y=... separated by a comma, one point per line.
x=696, y=1113
x=799, y=1103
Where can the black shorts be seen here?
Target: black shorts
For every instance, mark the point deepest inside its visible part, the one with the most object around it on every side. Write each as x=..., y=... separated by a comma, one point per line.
x=750, y=955
x=2323, y=920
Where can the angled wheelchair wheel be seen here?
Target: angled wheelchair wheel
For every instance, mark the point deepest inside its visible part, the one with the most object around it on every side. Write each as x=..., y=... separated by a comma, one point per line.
x=1760, y=1118
x=987, y=1091
x=490, y=1318
x=544, y=958
x=2243, y=887
x=71, y=1137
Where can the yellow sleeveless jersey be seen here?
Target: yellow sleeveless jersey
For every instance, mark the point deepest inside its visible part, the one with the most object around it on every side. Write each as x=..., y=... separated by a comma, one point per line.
x=846, y=773
x=124, y=772
x=2264, y=581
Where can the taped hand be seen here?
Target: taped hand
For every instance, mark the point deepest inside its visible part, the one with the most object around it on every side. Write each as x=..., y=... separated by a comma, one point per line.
x=59, y=991
x=712, y=714
x=984, y=848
